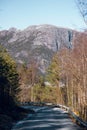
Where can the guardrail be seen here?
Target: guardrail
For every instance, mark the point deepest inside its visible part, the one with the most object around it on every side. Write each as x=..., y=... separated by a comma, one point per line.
x=78, y=119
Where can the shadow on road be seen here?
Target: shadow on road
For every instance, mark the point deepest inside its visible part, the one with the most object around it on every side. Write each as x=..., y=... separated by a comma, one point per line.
x=48, y=119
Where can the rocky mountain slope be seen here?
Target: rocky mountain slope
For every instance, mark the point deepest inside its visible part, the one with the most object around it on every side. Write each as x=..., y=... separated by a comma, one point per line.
x=36, y=42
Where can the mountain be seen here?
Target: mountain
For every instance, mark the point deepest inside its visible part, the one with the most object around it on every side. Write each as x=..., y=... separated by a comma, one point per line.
x=36, y=42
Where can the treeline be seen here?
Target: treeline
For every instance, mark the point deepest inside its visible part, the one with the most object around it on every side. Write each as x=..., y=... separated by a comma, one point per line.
x=10, y=111
x=65, y=81
x=66, y=77
x=9, y=80
x=32, y=85
x=73, y=76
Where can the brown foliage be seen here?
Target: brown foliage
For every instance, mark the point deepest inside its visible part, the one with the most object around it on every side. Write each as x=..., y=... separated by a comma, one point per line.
x=74, y=74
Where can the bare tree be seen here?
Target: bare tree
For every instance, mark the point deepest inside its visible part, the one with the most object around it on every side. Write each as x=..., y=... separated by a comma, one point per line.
x=82, y=5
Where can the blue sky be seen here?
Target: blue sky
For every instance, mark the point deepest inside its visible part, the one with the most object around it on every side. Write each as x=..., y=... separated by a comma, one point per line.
x=23, y=13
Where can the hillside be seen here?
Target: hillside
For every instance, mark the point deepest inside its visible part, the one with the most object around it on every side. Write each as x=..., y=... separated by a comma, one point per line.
x=36, y=42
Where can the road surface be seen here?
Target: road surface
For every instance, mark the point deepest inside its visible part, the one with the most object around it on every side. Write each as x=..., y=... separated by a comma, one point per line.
x=47, y=118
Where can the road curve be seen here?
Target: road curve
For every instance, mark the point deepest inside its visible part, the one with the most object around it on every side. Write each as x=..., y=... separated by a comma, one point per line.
x=47, y=118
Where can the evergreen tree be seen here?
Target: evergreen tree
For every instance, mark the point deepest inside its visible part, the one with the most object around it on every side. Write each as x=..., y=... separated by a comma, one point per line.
x=53, y=71
x=9, y=79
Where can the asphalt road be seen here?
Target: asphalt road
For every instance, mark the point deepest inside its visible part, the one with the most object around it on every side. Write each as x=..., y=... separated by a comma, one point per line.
x=47, y=118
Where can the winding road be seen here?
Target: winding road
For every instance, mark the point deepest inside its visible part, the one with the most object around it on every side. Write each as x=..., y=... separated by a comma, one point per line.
x=47, y=118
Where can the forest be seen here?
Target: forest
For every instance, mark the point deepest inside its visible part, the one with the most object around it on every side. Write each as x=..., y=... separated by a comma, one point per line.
x=65, y=81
